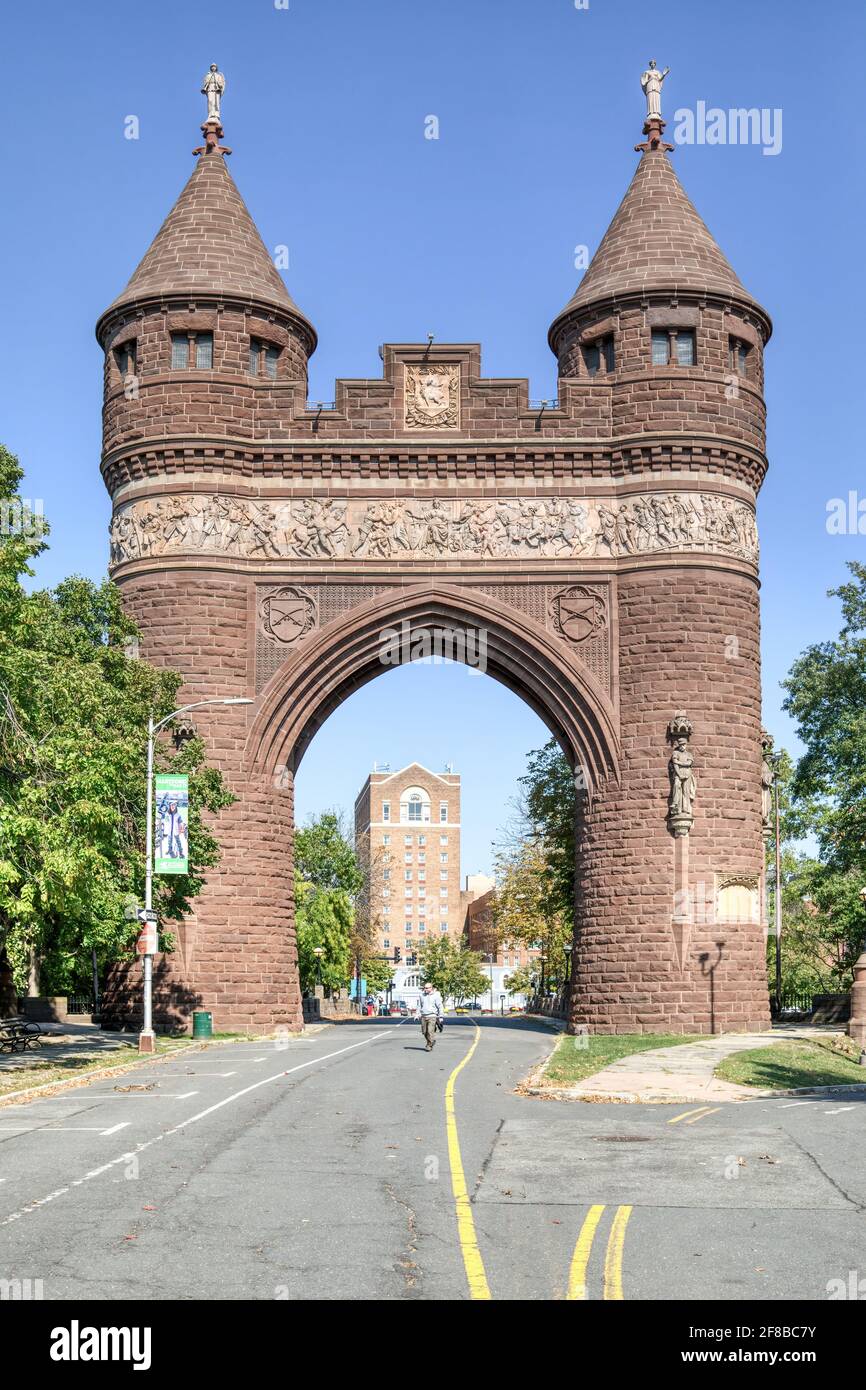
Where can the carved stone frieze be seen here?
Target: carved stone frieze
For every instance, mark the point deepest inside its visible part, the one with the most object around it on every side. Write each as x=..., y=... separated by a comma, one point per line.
x=529, y=528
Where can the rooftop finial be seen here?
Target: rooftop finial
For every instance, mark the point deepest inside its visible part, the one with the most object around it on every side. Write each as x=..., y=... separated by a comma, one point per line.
x=213, y=86
x=651, y=86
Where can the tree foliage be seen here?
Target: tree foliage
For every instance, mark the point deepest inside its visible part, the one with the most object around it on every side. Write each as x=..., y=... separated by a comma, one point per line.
x=527, y=907
x=327, y=880
x=454, y=971
x=74, y=705
x=827, y=697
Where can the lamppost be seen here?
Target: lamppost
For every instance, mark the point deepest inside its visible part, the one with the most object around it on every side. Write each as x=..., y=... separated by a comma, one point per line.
x=147, y=1037
x=566, y=992
x=318, y=952
x=491, y=958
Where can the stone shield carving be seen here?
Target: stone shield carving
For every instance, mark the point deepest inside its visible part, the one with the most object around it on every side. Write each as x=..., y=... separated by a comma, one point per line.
x=287, y=614
x=432, y=395
x=578, y=613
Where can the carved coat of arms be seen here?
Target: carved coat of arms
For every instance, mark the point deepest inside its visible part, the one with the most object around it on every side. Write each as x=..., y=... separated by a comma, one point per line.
x=433, y=396
x=578, y=613
x=288, y=614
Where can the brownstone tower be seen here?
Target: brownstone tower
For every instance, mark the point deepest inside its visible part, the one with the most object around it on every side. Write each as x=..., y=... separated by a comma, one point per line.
x=601, y=549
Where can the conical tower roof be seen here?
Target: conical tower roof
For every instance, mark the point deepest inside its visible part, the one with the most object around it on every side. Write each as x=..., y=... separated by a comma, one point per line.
x=209, y=245
x=656, y=241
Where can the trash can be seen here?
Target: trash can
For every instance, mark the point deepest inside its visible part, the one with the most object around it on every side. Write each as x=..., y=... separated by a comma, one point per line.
x=202, y=1024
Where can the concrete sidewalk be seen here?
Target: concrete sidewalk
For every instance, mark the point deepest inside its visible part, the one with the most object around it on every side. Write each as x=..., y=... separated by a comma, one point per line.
x=684, y=1072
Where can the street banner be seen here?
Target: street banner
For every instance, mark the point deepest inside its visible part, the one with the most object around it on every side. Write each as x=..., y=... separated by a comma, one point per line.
x=171, y=849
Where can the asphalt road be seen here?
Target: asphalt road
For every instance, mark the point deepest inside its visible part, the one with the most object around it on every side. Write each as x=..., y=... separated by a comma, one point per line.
x=329, y=1168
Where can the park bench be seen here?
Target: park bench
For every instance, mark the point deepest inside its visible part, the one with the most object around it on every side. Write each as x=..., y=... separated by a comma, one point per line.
x=17, y=1036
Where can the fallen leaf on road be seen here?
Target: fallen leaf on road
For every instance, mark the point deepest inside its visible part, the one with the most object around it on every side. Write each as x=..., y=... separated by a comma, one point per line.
x=768, y=1158
x=130, y=1237
x=149, y=1209
x=140, y=1087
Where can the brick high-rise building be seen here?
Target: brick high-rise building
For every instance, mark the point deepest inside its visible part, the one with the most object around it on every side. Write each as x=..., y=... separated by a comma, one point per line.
x=407, y=832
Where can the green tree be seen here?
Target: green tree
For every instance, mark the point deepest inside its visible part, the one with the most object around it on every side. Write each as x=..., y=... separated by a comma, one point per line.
x=74, y=705
x=327, y=878
x=454, y=971
x=527, y=907
x=549, y=809
x=827, y=697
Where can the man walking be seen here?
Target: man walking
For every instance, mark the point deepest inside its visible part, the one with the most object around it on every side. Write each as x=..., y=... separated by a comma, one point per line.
x=431, y=1012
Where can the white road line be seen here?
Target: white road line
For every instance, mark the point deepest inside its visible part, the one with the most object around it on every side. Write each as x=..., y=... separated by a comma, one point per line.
x=114, y=1128
x=143, y=1095
x=789, y=1105
x=193, y=1119
x=840, y=1111
x=197, y=1074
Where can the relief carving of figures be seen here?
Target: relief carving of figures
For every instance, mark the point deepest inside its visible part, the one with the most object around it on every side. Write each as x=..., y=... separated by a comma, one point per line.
x=681, y=799
x=416, y=528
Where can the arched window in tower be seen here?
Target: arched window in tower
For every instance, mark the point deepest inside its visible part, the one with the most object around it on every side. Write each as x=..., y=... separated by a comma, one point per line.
x=415, y=806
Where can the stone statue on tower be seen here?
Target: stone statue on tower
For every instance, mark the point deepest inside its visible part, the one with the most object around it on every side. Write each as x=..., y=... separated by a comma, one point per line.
x=213, y=86
x=651, y=85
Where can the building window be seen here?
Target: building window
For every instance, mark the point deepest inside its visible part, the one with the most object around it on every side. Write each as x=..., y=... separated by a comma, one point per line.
x=443, y=892
x=422, y=892
x=414, y=809
x=386, y=943
x=422, y=839
x=204, y=352
x=407, y=839
x=685, y=343
x=599, y=353
x=386, y=892
x=443, y=874
x=739, y=357
x=179, y=351
x=422, y=858
x=408, y=926
x=422, y=926
x=407, y=874
x=443, y=810
x=443, y=839
x=125, y=358
x=422, y=907
x=263, y=355
x=386, y=839
x=386, y=810
x=661, y=346
x=422, y=874
x=407, y=892
x=386, y=873
x=673, y=345
x=443, y=859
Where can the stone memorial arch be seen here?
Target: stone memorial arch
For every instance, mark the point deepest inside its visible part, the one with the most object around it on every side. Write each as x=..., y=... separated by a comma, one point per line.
x=603, y=545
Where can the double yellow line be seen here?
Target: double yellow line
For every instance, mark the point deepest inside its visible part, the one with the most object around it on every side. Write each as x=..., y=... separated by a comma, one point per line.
x=691, y=1117
x=612, y=1258
x=472, y=1261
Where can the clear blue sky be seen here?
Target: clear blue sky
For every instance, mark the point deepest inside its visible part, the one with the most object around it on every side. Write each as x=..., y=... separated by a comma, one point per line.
x=471, y=237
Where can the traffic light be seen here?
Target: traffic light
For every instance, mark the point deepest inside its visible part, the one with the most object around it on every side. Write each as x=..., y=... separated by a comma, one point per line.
x=396, y=955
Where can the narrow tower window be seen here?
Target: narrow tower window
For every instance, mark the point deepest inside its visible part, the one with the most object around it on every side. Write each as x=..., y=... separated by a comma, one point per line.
x=661, y=347
x=686, y=348
x=204, y=351
x=179, y=351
